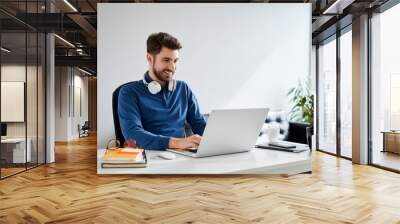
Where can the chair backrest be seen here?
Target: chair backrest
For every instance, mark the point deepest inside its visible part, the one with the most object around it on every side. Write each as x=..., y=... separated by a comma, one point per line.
x=86, y=125
x=297, y=132
x=117, y=127
x=279, y=118
x=188, y=127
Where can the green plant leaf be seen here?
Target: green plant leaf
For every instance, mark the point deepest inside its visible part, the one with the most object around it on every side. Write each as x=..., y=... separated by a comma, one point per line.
x=302, y=100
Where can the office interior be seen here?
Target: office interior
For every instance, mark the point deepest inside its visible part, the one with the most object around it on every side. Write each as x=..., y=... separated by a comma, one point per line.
x=49, y=91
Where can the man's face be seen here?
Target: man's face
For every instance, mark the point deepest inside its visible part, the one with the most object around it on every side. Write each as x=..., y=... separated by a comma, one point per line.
x=164, y=63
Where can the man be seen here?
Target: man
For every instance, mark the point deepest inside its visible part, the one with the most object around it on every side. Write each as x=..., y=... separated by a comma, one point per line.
x=153, y=111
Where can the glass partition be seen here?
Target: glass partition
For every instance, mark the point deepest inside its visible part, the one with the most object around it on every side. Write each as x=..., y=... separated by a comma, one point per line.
x=13, y=109
x=22, y=63
x=32, y=95
x=385, y=89
x=346, y=94
x=327, y=96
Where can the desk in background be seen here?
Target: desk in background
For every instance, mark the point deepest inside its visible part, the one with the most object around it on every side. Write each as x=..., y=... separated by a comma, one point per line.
x=391, y=141
x=13, y=150
x=256, y=161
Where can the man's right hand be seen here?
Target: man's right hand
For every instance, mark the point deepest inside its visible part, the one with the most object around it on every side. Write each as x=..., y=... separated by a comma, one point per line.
x=192, y=141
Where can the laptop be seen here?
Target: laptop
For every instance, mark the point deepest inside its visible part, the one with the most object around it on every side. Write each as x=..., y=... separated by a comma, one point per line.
x=229, y=131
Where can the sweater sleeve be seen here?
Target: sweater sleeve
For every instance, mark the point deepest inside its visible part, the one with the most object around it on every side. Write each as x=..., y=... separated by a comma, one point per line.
x=194, y=116
x=131, y=124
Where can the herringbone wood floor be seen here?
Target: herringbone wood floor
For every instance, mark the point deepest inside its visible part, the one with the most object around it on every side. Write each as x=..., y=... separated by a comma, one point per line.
x=70, y=191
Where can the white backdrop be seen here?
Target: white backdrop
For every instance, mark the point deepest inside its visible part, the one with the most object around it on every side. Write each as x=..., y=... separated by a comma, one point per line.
x=234, y=55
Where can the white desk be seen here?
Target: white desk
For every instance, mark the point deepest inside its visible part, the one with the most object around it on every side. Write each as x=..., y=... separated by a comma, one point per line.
x=18, y=150
x=256, y=161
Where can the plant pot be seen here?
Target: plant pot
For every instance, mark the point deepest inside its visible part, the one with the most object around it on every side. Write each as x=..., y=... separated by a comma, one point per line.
x=309, y=134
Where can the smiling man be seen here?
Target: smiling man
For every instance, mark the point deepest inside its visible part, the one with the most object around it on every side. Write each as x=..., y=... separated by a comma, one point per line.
x=153, y=111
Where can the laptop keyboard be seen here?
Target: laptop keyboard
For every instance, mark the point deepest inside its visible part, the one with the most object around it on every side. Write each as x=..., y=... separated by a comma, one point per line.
x=194, y=150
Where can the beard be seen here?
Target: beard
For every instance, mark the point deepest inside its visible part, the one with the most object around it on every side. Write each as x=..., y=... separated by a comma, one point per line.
x=162, y=74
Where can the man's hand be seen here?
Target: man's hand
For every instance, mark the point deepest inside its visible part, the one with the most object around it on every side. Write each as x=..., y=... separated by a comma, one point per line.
x=192, y=141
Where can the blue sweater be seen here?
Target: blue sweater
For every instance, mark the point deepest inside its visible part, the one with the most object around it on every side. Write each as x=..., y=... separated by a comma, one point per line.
x=151, y=120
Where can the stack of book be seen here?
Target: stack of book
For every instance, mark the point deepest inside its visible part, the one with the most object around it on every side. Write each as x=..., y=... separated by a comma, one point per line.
x=124, y=158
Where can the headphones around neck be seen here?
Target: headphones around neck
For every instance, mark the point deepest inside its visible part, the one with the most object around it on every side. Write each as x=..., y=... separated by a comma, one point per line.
x=154, y=87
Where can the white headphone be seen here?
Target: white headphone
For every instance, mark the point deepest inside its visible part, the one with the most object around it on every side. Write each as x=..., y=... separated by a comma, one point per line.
x=154, y=87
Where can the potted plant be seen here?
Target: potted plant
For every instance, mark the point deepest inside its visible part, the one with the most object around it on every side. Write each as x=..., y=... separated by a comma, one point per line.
x=303, y=106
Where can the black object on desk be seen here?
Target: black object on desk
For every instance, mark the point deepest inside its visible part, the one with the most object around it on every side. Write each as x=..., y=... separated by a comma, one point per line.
x=282, y=145
x=285, y=149
x=3, y=129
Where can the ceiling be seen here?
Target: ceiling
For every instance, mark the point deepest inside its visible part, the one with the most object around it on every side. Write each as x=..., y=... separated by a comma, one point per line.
x=76, y=22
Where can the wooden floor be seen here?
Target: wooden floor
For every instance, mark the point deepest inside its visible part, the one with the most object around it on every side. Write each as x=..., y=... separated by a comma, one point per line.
x=10, y=171
x=70, y=191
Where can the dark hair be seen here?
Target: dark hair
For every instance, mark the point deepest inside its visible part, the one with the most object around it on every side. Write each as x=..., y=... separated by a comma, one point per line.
x=158, y=40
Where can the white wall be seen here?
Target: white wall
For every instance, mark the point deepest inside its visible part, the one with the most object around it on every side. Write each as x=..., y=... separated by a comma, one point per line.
x=234, y=55
x=61, y=103
x=68, y=81
x=80, y=83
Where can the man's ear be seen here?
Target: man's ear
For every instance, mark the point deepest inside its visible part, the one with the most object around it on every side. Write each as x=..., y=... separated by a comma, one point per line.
x=149, y=58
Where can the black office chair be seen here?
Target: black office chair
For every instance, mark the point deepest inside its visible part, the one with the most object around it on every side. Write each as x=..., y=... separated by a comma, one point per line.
x=117, y=127
x=84, y=129
x=297, y=132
